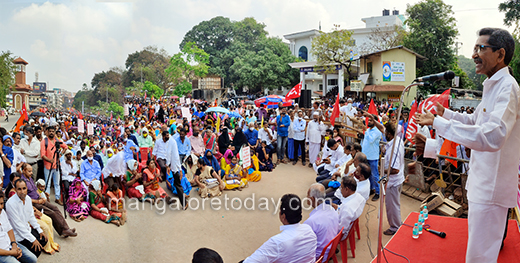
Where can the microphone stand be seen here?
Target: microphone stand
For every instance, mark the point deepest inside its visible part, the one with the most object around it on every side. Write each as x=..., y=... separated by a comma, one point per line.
x=384, y=178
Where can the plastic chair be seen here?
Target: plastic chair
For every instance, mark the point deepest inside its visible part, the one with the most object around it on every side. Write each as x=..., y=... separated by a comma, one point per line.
x=356, y=228
x=351, y=238
x=333, y=244
x=144, y=151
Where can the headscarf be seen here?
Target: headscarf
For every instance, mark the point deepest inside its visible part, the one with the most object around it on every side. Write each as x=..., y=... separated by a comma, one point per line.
x=131, y=164
x=212, y=161
x=239, y=139
x=96, y=185
x=223, y=141
x=74, y=193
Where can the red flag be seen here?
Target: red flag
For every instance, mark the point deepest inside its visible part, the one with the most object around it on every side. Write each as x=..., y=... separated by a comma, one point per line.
x=295, y=92
x=111, y=116
x=80, y=116
x=133, y=94
x=335, y=112
x=412, y=124
x=449, y=148
x=145, y=95
x=372, y=110
x=430, y=103
x=24, y=112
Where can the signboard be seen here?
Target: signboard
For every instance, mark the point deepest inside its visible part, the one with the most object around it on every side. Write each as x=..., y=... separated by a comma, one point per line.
x=90, y=129
x=186, y=113
x=356, y=85
x=312, y=69
x=39, y=86
x=393, y=97
x=127, y=111
x=393, y=71
x=81, y=126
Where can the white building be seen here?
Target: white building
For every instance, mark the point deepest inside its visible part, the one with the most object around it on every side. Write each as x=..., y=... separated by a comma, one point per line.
x=300, y=44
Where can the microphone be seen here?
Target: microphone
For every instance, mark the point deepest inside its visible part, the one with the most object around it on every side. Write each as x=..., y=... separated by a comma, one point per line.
x=441, y=234
x=448, y=75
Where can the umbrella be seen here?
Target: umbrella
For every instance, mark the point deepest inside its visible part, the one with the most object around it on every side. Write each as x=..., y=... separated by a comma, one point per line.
x=37, y=114
x=249, y=102
x=272, y=101
x=175, y=97
x=217, y=109
x=232, y=114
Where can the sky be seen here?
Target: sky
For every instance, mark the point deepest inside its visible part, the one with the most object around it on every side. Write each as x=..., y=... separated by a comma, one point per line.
x=67, y=42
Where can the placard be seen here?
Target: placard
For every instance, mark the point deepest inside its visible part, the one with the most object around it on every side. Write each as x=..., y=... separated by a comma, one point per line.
x=186, y=113
x=90, y=129
x=127, y=111
x=181, y=100
x=188, y=101
x=81, y=126
x=245, y=156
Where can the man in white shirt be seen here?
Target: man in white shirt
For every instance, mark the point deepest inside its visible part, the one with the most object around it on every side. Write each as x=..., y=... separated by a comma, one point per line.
x=13, y=251
x=160, y=151
x=493, y=134
x=323, y=219
x=315, y=130
x=69, y=171
x=361, y=175
x=348, y=110
x=27, y=231
x=396, y=178
x=174, y=165
x=296, y=243
x=352, y=206
x=298, y=126
x=328, y=163
x=267, y=135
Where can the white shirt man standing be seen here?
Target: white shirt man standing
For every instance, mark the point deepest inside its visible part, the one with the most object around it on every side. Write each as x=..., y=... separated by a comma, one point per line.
x=315, y=129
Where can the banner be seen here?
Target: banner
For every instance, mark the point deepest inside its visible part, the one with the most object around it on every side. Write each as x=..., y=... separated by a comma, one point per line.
x=393, y=71
x=186, y=113
x=412, y=124
x=81, y=126
x=430, y=103
x=127, y=111
x=90, y=129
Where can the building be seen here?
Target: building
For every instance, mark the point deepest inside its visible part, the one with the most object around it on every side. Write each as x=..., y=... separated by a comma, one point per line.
x=208, y=88
x=20, y=89
x=319, y=83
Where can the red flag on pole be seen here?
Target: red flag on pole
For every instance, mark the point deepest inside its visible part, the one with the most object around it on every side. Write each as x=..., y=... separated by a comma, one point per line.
x=111, y=116
x=412, y=124
x=430, y=103
x=145, y=95
x=24, y=112
x=23, y=117
x=295, y=92
x=335, y=112
x=371, y=110
x=80, y=116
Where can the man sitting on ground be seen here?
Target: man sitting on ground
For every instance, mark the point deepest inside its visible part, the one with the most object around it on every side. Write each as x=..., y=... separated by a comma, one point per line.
x=328, y=162
x=296, y=243
x=323, y=219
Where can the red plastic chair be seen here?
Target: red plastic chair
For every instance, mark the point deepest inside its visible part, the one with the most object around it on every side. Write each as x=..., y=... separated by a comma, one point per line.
x=356, y=228
x=333, y=244
x=144, y=151
x=351, y=238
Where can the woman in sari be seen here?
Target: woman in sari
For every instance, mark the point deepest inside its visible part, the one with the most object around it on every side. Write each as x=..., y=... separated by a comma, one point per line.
x=116, y=202
x=223, y=141
x=98, y=206
x=226, y=159
x=211, y=161
x=264, y=160
x=77, y=206
x=189, y=167
x=207, y=179
x=152, y=176
x=45, y=223
x=210, y=142
x=133, y=180
x=253, y=171
x=236, y=176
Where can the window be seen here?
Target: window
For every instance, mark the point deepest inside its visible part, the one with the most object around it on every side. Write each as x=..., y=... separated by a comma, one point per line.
x=302, y=53
x=332, y=82
x=321, y=86
x=369, y=67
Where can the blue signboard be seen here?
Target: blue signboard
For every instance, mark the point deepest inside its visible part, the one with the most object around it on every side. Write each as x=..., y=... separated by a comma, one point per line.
x=312, y=69
x=39, y=86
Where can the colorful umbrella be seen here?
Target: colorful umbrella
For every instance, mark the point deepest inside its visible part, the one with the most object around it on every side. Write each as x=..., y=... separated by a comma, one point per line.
x=217, y=109
x=271, y=101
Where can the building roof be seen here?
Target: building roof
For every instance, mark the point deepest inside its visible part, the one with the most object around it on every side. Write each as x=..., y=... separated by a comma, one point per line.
x=20, y=60
x=392, y=48
x=308, y=33
x=383, y=88
x=22, y=87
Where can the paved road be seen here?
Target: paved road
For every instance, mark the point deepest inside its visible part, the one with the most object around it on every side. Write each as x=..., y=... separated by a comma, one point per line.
x=8, y=125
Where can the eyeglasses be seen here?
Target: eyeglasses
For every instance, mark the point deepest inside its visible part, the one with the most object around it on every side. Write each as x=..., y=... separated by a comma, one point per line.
x=479, y=48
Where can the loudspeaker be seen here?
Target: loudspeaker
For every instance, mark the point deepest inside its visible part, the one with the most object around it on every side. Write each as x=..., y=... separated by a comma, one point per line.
x=305, y=99
x=198, y=94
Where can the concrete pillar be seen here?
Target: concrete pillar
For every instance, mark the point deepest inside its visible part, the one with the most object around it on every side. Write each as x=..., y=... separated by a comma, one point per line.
x=324, y=83
x=302, y=79
x=341, y=83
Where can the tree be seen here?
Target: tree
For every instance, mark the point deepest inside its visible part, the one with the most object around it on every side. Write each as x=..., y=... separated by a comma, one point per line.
x=116, y=109
x=383, y=38
x=82, y=96
x=190, y=63
x=432, y=34
x=147, y=64
x=262, y=66
x=152, y=89
x=512, y=10
x=7, y=72
x=333, y=48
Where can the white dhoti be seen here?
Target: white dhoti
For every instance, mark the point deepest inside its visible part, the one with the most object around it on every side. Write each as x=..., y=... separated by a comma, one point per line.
x=486, y=224
x=314, y=150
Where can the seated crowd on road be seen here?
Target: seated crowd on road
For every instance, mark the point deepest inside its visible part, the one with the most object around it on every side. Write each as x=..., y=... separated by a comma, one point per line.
x=92, y=169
